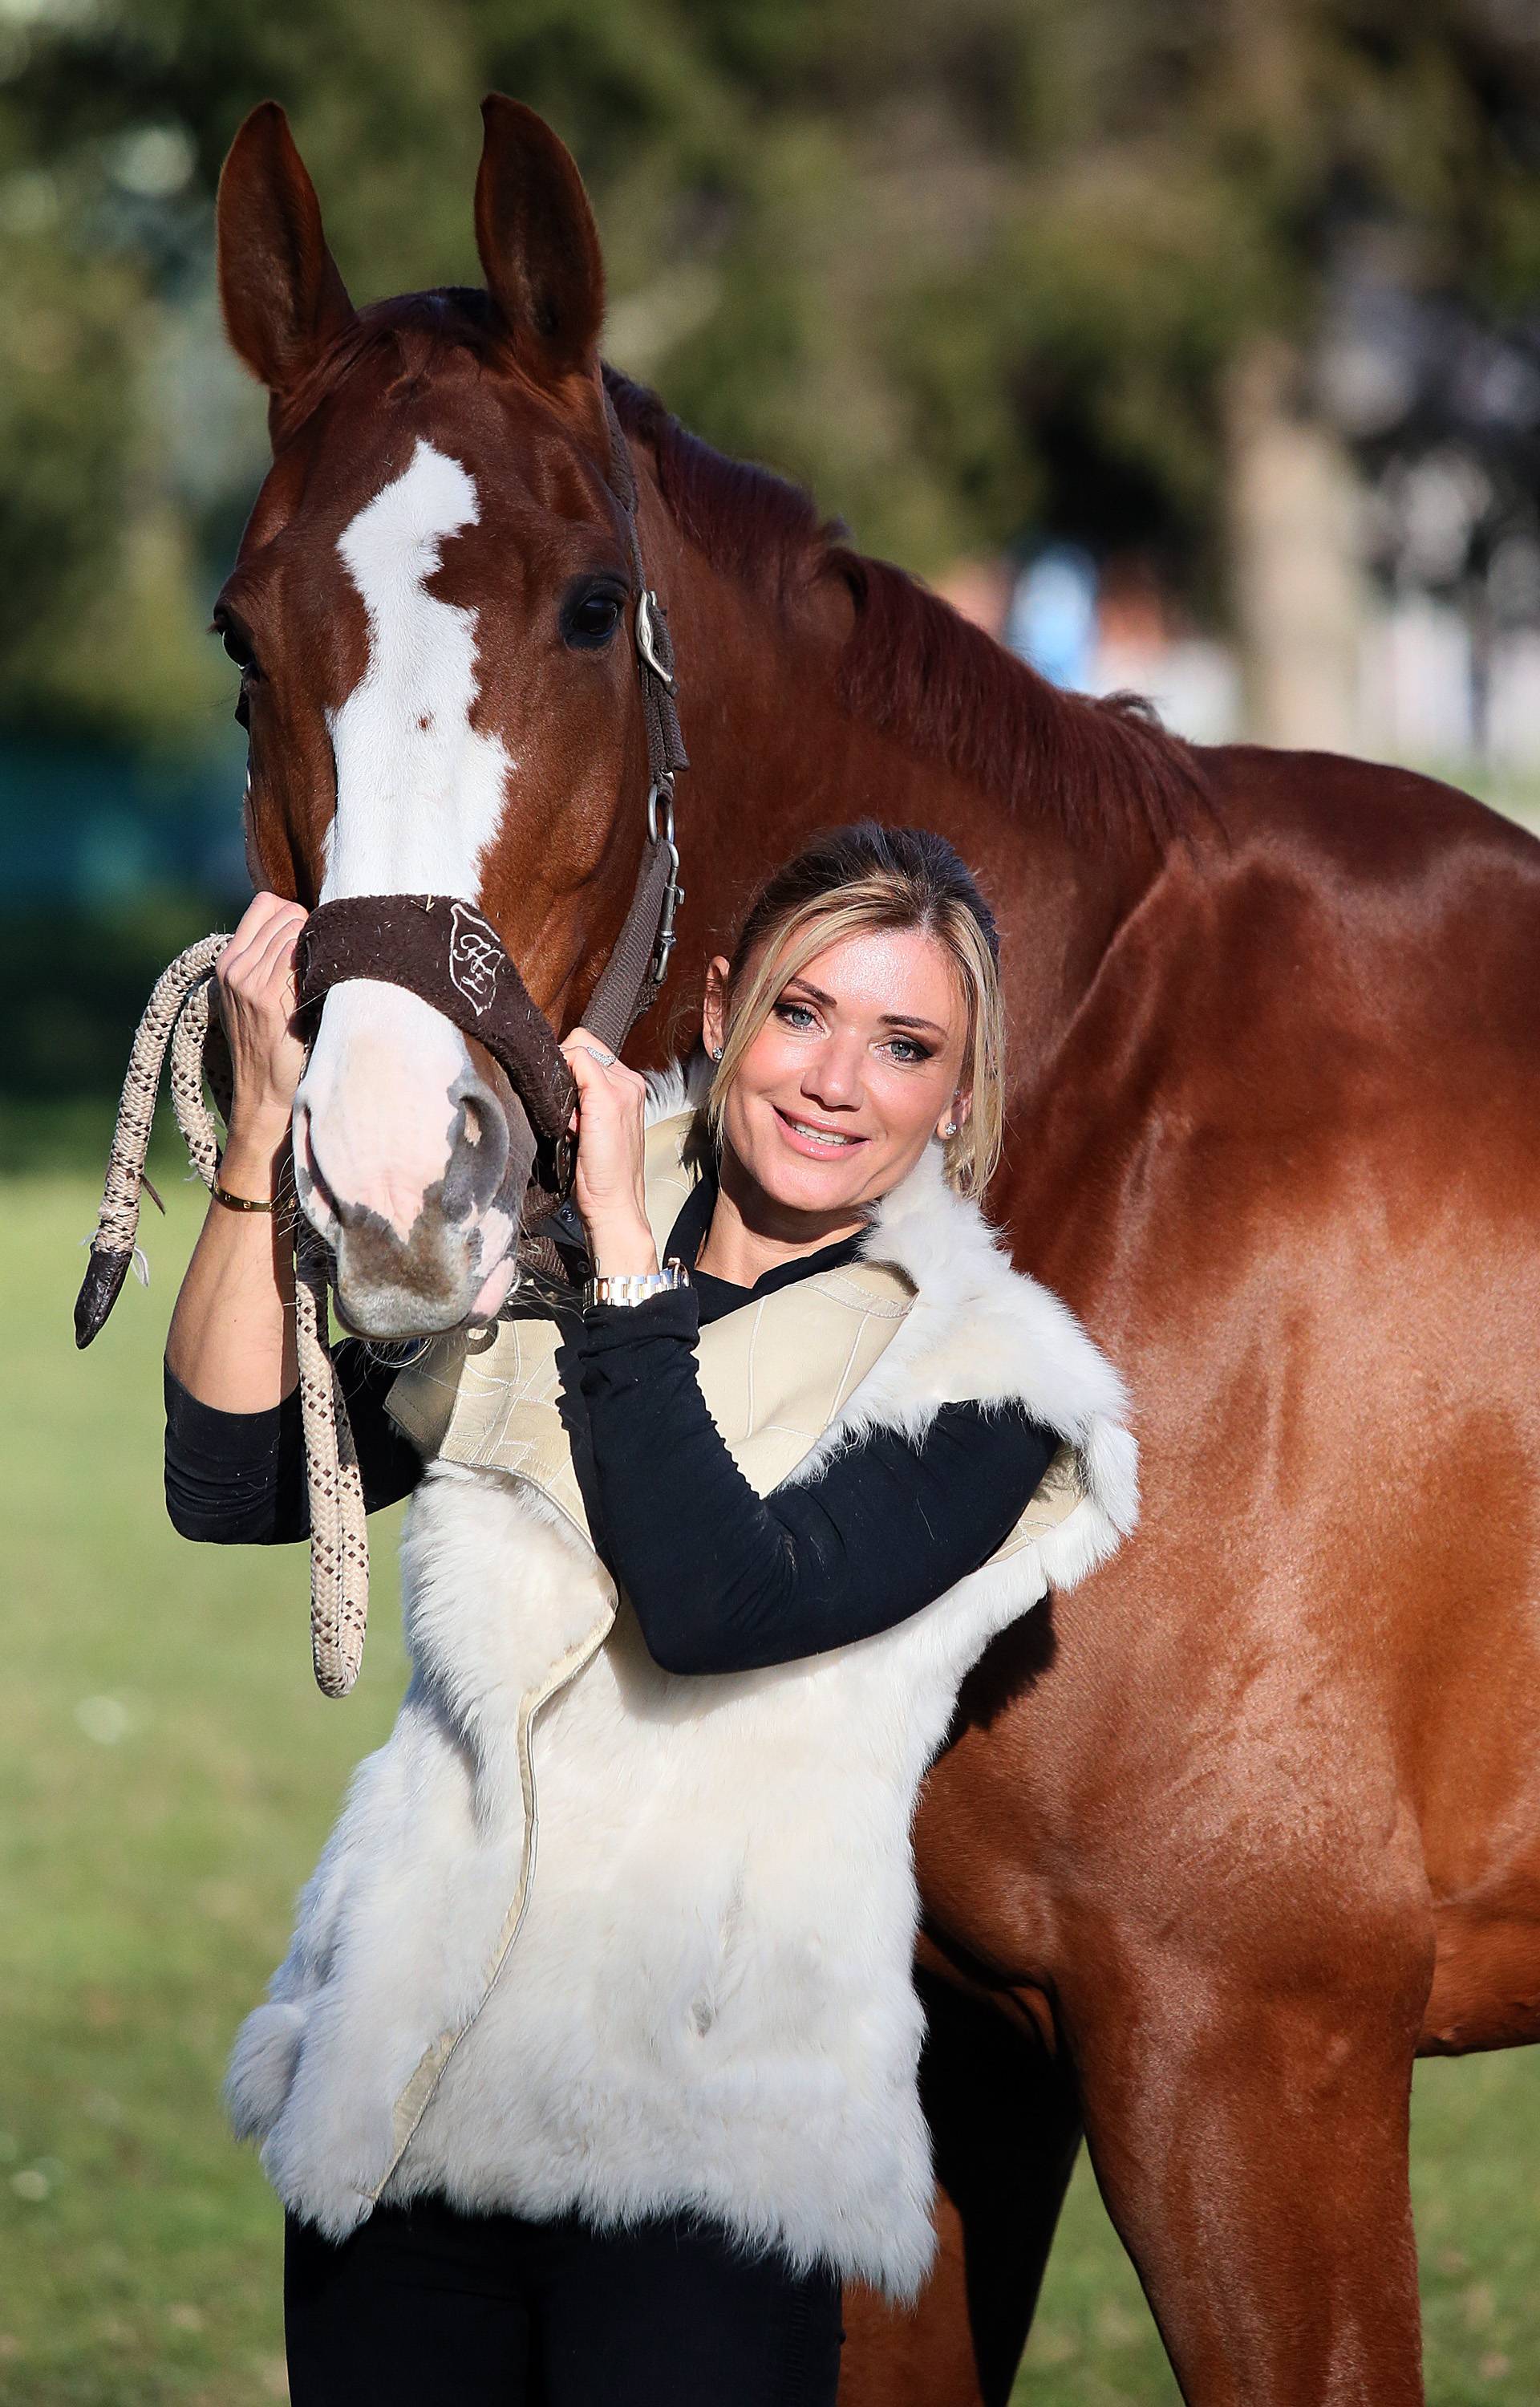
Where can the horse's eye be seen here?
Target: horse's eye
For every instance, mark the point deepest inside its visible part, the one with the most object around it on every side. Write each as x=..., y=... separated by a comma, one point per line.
x=590, y=617
x=235, y=645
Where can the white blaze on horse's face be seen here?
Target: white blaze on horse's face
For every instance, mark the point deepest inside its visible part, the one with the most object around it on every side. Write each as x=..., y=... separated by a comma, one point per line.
x=419, y=792
x=401, y=1147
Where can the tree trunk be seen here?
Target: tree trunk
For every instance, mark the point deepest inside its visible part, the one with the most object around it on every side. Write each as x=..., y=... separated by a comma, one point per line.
x=1297, y=580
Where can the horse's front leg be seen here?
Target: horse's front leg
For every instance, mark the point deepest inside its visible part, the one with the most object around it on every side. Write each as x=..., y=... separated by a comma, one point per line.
x=1006, y=2130
x=1248, y=2117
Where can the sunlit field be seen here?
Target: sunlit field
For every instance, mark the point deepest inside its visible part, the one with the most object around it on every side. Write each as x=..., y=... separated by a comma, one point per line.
x=168, y=1770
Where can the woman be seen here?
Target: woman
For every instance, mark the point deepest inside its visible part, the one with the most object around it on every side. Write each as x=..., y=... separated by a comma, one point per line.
x=616, y=2130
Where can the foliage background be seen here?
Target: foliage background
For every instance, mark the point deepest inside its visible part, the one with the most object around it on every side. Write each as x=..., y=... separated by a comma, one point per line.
x=984, y=273
x=967, y=268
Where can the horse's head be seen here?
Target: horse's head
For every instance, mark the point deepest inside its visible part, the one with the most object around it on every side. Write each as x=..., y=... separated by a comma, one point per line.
x=430, y=610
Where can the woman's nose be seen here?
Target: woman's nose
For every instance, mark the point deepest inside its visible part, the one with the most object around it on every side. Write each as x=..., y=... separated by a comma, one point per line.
x=833, y=1078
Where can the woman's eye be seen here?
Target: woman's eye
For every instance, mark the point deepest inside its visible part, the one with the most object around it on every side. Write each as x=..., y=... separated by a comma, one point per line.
x=906, y=1050
x=591, y=619
x=794, y=1014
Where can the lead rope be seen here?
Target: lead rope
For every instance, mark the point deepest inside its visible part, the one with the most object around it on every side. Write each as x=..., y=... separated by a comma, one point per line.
x=176, y=1020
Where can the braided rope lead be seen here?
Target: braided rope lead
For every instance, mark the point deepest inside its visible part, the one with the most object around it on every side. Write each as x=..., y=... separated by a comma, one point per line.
x=177, y=1020
x=117, y=1222
x=339, y=1536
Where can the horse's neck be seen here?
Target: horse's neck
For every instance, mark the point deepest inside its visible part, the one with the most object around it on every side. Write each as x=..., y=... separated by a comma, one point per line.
x=775, y=756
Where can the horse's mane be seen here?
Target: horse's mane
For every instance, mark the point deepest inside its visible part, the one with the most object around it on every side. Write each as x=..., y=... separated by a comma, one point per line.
x=911, y=665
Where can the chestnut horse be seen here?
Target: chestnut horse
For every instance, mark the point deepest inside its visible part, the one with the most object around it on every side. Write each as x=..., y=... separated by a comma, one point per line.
x=1221, y=1842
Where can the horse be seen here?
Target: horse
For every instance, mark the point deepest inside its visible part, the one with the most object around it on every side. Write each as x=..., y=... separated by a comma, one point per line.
x=1221, y=1842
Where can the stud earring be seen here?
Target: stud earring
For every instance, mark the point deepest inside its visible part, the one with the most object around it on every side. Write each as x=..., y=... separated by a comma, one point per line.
x=950, y=1129
x=716, y=1052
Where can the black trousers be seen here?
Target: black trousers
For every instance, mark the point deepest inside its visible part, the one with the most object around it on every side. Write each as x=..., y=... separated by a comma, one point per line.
x=424, y=2304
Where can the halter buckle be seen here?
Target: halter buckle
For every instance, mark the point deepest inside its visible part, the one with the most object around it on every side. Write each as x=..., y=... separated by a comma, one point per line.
x=648, y=613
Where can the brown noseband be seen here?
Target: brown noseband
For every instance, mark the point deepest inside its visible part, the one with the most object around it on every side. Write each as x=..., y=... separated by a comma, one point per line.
x=444, y=951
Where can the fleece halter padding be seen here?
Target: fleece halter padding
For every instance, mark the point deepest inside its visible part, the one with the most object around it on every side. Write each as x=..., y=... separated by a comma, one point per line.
x=444, y=951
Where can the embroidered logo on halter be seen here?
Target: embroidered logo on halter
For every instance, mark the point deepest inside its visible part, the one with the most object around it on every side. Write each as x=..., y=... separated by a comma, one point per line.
x=475, y=957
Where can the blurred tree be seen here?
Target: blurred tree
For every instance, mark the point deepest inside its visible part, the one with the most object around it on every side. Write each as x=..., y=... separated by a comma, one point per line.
x=968, y=267
x=1130, y=354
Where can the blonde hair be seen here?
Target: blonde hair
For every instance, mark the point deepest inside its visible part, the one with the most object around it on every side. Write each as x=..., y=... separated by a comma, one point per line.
x=873, y=877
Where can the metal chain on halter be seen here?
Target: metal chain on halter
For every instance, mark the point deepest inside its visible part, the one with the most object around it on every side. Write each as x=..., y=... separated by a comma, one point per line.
x=176, y=1020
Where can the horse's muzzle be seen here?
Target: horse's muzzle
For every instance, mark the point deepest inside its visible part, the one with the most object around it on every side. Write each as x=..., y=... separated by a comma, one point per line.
x=412, y=1275
x=422, y=1214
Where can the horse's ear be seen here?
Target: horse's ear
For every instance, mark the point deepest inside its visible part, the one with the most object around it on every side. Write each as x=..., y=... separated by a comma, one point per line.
x=538, y=244
x=282, y=297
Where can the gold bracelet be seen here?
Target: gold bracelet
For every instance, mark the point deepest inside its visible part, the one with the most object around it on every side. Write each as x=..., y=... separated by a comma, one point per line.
x=241, y=1203
x=284, y=1196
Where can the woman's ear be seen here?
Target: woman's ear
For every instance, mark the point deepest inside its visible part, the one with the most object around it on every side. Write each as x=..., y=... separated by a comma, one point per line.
x=714, y=1013
x=955, y=1115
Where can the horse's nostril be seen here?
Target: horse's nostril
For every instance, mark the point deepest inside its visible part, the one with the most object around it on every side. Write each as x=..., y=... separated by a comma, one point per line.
x=478, y=1152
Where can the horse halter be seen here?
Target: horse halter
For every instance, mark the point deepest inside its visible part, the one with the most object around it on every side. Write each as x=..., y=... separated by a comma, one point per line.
x=452, y=958
x=443, y=950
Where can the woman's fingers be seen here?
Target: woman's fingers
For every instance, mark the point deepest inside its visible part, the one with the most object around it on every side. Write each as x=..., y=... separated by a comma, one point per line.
x=275, y=967
x=592, y=1064
x=280, y=930
x=265, y=926
x=256, y=982
x=607, y=1175
x=261, y=914
x=586, y=1053
x=253, y=919
x=588, y=1073
x=581, y=1062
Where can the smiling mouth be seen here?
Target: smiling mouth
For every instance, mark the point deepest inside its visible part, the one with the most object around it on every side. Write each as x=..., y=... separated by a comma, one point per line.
x=831, y=1139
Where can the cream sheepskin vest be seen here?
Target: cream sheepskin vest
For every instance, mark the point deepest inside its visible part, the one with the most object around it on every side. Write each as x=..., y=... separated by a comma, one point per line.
x=591, y=1937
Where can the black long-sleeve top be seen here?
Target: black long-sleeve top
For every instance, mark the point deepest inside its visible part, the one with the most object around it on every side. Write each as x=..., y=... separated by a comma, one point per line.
x=720, y=1578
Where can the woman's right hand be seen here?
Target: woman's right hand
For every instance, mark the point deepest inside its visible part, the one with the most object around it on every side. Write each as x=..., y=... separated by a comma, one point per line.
x=232, y=1337
x=256, y=1003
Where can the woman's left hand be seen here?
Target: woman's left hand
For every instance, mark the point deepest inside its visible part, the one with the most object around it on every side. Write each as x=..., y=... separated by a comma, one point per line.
x=607, y=1182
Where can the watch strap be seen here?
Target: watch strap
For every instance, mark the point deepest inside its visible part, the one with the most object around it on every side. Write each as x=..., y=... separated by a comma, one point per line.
x=634, y=1287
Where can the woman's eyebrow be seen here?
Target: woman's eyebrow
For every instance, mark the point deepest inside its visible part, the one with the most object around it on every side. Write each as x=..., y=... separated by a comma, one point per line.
x=890, y=1019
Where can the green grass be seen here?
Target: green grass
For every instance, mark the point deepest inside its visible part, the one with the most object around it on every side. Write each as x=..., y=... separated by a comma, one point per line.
x=167, y=1772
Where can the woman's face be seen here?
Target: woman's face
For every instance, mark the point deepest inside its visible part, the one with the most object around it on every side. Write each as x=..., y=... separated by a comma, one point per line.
x=858, y=1066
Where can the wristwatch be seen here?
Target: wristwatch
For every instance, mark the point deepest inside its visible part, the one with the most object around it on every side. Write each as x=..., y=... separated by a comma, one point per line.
x=634, y=1287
